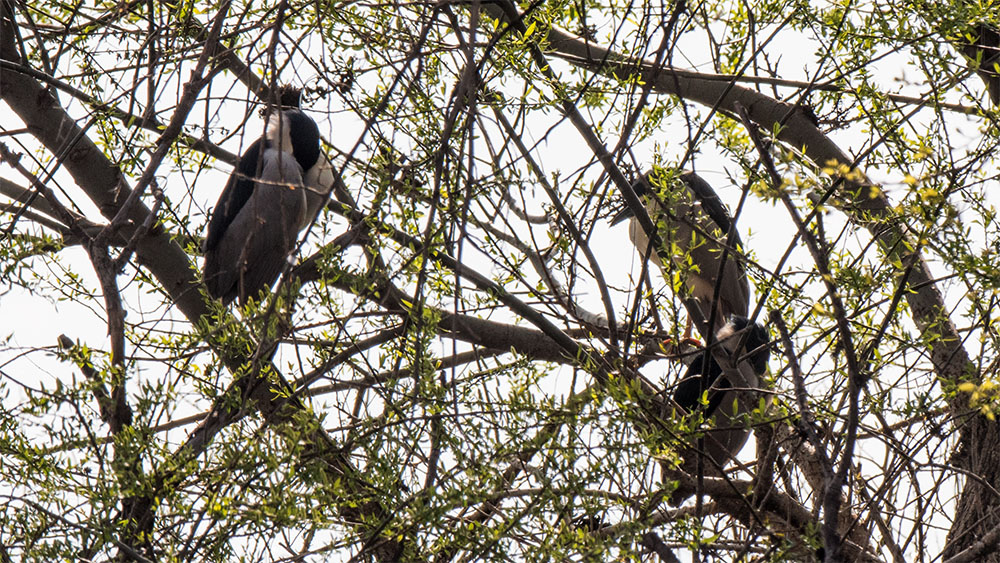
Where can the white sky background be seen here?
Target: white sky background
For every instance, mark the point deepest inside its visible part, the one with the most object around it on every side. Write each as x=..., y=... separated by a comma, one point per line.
x=33, y=321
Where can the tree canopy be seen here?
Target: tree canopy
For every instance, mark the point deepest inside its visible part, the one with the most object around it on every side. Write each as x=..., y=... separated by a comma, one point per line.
x=463, y=358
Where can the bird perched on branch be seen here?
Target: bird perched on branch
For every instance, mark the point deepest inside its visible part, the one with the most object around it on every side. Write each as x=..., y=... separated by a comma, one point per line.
x=693, y=226
x=697, y=253
x=274, y=192
x=707, y=390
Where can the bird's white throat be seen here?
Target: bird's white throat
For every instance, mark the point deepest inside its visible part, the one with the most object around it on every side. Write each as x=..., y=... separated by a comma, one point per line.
x=278, y=132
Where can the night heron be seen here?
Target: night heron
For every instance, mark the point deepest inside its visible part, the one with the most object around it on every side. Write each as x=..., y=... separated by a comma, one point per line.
x=708, y=391
x=693, y=226
x=274, y=192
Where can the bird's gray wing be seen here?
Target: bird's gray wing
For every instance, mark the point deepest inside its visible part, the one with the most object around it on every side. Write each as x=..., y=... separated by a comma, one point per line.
x=693, y=225
x=235, y=195
x=712, y=218
x=252, y=251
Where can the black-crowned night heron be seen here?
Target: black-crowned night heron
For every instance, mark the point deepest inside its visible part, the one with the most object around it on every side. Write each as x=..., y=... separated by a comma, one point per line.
x=275, y=191
x=693, y=226
x=708, y=391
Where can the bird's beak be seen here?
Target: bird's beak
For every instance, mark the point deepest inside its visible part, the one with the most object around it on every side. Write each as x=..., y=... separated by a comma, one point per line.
x=625, y=213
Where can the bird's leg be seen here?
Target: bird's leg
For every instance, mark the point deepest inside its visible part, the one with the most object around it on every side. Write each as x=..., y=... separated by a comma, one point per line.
x=683, y=346
x=686, y=339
